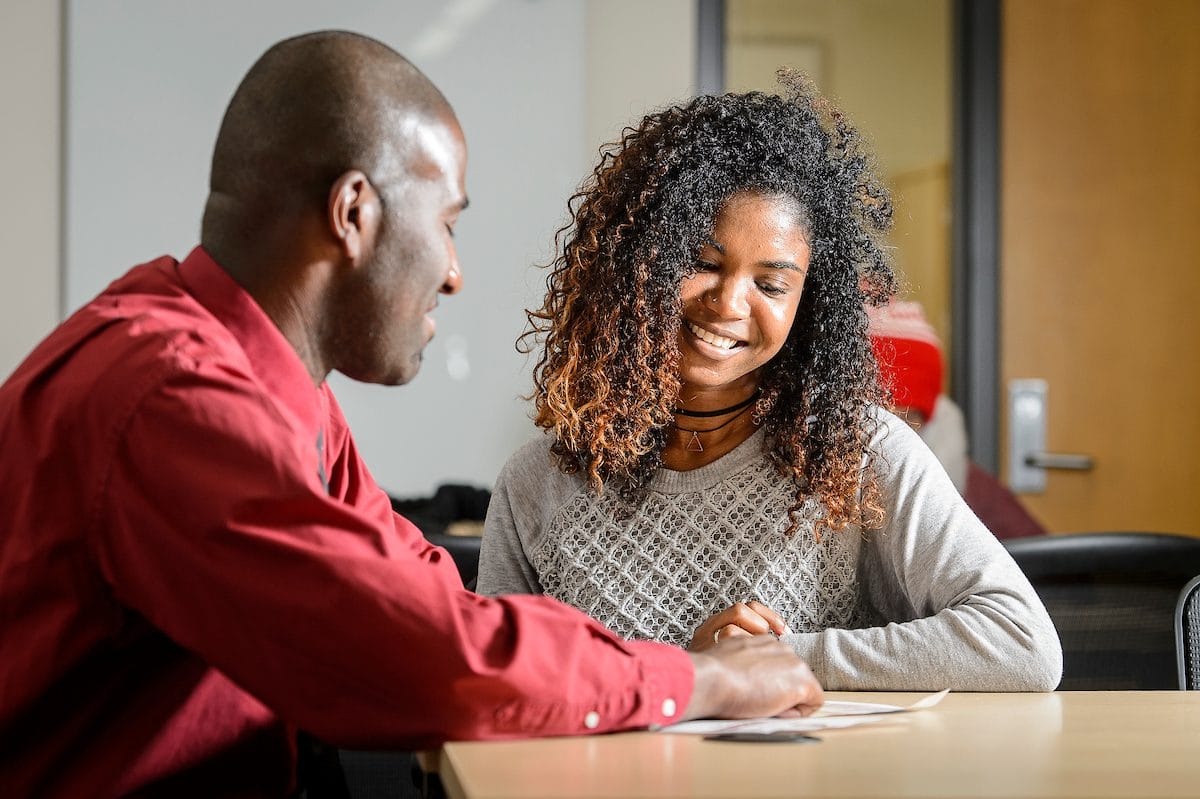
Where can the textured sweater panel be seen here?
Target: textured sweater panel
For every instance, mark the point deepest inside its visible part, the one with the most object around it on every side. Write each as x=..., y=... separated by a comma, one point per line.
x=656, y=572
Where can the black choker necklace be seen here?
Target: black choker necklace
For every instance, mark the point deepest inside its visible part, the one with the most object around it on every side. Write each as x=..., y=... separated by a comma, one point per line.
x=721, y=412
x=693, y=444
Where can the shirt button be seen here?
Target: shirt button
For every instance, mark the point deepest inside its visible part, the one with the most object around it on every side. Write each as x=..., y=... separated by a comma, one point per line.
x=668, y=708
x=591, y=720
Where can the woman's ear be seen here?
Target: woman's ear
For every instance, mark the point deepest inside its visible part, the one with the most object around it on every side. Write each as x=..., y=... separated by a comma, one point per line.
x=354, y=213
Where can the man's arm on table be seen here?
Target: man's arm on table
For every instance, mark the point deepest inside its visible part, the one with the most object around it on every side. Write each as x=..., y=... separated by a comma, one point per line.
x=236, y=552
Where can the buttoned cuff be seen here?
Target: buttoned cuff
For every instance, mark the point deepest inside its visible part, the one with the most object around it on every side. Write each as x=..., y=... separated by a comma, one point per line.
x=656, y=694
x=668, y=679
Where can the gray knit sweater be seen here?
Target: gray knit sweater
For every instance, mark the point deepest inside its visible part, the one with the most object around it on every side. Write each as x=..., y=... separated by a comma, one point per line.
x=931, y=601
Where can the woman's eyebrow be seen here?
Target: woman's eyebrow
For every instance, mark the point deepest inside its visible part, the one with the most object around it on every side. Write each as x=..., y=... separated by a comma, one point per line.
x=781, y=265
x=771, y=264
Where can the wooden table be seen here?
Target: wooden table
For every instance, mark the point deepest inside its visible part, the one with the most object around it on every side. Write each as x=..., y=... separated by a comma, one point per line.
x=1086, y=744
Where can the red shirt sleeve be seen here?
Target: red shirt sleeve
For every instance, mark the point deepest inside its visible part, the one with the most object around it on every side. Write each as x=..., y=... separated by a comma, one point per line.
x=333, y=612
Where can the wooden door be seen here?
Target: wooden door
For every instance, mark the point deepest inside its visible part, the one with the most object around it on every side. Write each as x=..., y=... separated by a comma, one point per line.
x=1100, y=252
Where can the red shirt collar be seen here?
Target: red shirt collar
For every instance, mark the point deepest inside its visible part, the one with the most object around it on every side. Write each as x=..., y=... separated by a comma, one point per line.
x=272, y=356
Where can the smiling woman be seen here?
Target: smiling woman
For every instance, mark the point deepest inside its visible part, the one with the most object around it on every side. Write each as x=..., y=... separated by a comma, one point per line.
x=738, y=308
x=782, y=180
x=718, y=460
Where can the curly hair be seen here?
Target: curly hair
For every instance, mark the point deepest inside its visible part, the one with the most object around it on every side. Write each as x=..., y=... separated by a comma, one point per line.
x=607, y=378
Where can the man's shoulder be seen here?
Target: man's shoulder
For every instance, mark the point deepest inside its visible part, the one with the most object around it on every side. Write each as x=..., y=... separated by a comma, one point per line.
x=139, y=331
x=151, y=303
x=168, y=330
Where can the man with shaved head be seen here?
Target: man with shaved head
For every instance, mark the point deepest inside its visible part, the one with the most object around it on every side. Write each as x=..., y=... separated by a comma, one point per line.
x=195, y=562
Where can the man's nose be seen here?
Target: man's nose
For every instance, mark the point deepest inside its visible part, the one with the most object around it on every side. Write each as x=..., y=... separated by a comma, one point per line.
x=454, y=280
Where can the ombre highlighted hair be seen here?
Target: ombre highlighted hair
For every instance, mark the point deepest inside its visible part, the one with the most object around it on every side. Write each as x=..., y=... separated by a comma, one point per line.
x=607, y=373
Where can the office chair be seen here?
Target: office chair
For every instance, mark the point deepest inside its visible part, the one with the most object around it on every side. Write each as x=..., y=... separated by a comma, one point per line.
x=1112, y=597
x=449, y=504
x=1187, y=636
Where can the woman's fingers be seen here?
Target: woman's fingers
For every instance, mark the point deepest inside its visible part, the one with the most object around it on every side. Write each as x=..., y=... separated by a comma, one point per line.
x=740, y=619
x=776, y=622
x=731, y=631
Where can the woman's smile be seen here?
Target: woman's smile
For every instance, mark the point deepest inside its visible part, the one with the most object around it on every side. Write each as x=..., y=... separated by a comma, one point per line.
x=714, y=340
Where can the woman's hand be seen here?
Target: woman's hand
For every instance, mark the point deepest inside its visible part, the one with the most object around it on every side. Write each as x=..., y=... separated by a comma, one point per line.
x=742, y=619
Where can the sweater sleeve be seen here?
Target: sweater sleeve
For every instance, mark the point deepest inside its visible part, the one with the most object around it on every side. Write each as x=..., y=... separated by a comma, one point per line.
x=504, y=567
x=954, y=609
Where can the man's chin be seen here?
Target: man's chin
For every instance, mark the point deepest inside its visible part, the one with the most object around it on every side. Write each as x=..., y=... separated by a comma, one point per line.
x=394, y=376
x=401, y=377
x=408, y=373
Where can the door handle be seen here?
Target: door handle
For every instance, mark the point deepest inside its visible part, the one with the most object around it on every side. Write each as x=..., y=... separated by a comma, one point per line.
x=1059, y=460
x=1028, y=459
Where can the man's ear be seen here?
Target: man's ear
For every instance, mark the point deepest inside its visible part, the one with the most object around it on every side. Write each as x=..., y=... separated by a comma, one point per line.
x=354, y=214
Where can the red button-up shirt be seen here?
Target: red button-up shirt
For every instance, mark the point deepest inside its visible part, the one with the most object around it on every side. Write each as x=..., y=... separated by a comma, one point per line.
x=194, y=561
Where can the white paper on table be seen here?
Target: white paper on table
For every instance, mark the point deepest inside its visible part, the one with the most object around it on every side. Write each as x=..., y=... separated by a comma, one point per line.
x=836, y=708
x=831, y=715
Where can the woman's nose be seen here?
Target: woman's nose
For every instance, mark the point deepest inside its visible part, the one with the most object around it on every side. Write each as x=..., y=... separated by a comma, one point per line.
x=727, y=298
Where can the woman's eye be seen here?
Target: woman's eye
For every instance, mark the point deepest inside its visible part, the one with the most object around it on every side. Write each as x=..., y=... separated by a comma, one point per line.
x=771, y=289
x=705, y=266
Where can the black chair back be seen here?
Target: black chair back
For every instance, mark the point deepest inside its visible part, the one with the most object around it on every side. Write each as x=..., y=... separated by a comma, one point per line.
x=1187, y=636
x=1112, y=597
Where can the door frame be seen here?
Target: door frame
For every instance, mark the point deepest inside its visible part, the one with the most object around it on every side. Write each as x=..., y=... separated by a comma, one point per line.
x=975, y=261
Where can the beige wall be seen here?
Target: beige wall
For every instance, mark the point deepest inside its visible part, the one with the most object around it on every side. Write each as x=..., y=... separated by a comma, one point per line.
x=635, y=68
x=30, y=79
x=886, y=64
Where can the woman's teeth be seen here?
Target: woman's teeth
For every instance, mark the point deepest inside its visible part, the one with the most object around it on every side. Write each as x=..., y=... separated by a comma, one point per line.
x=712, y=338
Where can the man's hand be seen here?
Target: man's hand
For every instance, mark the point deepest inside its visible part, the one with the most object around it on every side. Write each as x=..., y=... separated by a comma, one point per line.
x=747, y=676
x=742, y=619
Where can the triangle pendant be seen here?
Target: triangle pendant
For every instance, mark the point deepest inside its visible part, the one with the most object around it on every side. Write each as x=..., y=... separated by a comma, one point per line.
x=694, y=444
